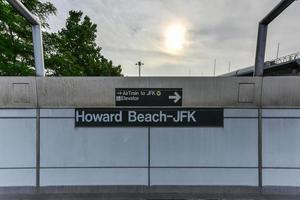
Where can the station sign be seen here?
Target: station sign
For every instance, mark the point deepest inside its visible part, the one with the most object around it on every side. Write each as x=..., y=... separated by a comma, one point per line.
x=149, y=117
x=139, y=97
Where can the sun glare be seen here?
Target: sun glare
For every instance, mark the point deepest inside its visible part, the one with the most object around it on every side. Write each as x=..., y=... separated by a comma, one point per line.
x=175, y=38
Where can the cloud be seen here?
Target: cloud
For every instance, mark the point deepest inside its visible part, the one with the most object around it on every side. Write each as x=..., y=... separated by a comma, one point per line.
x=132, y=30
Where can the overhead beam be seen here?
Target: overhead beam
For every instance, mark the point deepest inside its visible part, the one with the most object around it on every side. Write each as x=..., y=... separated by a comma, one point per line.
x=262, y=35
x=276, y=11
x=36, y=35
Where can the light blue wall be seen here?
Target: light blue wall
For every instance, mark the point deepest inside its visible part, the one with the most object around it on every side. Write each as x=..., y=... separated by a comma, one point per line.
x=94, y=176
x=281, y=147
x=62, y=145
x=204, y=176
x=17, y=147
x=81, y=156
x=178, y=156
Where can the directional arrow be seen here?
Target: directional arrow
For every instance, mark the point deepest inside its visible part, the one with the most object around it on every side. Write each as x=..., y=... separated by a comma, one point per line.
x=176, y=97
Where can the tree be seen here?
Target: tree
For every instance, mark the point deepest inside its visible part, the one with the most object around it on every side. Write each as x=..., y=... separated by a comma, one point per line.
x=73, y=50
x=16, y=49
x=70, y=52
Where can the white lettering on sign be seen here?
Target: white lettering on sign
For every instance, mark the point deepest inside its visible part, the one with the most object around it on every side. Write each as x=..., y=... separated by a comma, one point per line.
x=105, y=117
x=133, y=116
x=185, y=115
x=142, y=117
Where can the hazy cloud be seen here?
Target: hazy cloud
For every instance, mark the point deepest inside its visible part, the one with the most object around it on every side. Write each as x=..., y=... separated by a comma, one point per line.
x=132, y=30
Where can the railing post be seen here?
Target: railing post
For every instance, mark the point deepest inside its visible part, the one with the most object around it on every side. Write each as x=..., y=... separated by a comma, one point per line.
x=36, y=35
x=262, y=35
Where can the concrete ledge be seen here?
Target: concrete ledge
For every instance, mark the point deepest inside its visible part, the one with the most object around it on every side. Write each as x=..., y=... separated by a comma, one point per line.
x=281, y=92
x=225, y=92
x=154, y=192
x=100, y=92
x=18, y=92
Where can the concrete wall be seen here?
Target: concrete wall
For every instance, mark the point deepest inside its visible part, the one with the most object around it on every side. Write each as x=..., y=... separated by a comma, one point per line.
x=77, y=92
x=150, y=156
x=21, y=92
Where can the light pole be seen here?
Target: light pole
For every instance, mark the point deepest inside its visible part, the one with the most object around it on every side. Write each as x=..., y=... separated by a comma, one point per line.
x=215, y=65
x=139, y=64
x=278, y=46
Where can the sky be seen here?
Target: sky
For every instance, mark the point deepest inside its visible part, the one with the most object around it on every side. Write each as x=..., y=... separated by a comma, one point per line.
x=184, y=37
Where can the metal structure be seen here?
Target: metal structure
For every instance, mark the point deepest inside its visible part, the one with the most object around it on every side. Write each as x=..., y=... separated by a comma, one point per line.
x=36, y=35
x=282, y=66
x=262, y=35
x=286, y=59
x=139, y=64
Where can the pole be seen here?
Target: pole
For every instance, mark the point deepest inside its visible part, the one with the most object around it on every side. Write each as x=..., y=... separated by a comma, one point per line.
x=139, y=70
x=260, y=50
x=36, y=35
x=278, y=46
x=262, y=35
x=38, y=50
x=229, y=66
x=139, y=64
x=215, y=64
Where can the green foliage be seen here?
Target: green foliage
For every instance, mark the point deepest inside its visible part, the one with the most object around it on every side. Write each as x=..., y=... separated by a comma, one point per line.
x=73, y=50
x=16, y=50
x=70, y=52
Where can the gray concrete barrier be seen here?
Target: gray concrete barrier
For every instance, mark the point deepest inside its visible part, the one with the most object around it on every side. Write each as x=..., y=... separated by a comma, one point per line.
x=30, y=92
x=255, y=153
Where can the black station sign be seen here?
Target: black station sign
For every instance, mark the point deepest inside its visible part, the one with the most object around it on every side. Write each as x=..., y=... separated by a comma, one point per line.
x=149, y=117
x=148, y=97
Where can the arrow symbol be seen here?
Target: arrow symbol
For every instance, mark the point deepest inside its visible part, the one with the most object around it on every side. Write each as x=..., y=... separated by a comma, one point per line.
x=176, y=97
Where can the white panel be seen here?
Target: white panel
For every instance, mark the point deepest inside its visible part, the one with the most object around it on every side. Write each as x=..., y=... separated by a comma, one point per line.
x=242, y=177
x=281, y=142
x=281, y=177
x=57, y=112
x=57, y=177
x=17, y=143
x=240, y=113
x=281, y=113
x=64, y=145
x=17, y=113
x=234, y=145
x=17, y=177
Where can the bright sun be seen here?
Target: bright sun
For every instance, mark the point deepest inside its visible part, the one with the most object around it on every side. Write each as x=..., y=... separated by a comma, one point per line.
x=175, y=38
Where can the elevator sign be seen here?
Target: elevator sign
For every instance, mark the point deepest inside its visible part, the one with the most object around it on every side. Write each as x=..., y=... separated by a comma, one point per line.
x=149, y=117
x=148, y=97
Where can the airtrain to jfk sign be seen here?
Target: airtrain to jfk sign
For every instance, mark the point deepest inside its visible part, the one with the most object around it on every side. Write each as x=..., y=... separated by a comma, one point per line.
x=148, y=97
x=148, y=117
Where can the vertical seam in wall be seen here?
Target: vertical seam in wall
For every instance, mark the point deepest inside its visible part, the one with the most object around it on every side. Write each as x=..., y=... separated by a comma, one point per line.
x=260, y=138
x=149, y=158
x=38, y=158
x=260, y=147
x=38, y=148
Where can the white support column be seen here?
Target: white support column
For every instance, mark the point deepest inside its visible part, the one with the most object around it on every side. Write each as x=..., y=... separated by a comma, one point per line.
x=38, y=50
x=36, y=35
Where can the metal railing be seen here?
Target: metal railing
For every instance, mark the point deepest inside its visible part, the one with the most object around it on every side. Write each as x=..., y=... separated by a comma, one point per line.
x=262, y=35
x=286, y=59
x=36, y=35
